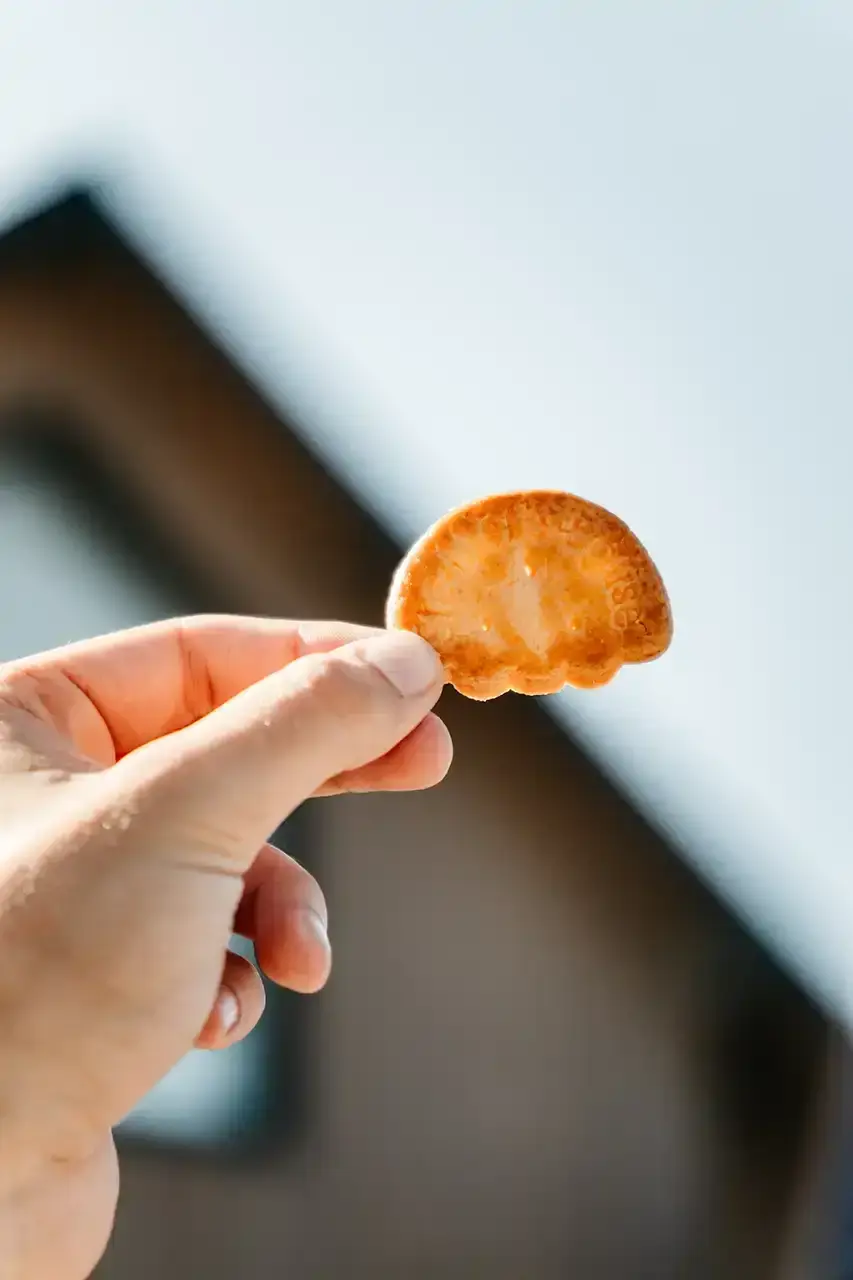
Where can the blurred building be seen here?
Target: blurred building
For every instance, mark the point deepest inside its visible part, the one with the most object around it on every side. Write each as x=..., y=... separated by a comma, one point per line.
x=546, y=1050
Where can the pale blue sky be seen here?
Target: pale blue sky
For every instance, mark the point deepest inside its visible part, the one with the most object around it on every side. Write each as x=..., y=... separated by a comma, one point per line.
x=605, y=247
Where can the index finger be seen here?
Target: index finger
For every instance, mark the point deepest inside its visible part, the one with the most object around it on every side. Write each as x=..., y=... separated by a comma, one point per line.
x=149, y=681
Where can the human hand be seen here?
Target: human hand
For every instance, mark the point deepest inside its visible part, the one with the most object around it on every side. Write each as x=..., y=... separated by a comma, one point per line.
x=140, y=777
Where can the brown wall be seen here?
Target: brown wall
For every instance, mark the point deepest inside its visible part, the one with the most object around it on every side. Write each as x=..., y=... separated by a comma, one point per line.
x=526, y=1064
x=509, y=1068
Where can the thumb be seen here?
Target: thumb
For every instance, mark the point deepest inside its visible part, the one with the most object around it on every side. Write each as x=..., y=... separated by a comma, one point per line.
x=231, y=778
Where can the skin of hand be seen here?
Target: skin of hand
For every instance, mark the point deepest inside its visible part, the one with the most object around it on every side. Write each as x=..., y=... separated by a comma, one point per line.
x=141, y=775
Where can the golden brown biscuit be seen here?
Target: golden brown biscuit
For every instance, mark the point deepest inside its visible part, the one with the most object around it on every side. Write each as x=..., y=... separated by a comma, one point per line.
x=529, y=592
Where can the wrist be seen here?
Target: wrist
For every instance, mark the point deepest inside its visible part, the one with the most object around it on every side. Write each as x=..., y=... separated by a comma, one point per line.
x=56, y=1221
x=33, y=1148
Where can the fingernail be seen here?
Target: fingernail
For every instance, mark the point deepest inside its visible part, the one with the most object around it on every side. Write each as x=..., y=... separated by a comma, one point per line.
x=228, y=1008
x=405, y=660
x=312, y=928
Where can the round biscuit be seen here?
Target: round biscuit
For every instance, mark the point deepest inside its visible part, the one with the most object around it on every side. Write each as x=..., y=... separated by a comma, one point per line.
x=529, y=592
